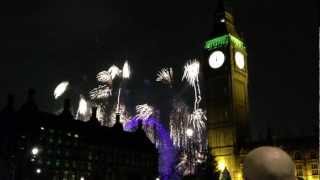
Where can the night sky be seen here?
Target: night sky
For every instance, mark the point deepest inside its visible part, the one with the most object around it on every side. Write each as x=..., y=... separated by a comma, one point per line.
x=45, y=42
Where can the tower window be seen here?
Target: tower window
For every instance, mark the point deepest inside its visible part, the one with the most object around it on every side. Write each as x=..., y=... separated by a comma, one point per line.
x=313, y=155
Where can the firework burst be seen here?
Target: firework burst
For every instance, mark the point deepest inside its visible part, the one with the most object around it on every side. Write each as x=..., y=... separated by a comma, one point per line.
x=114, y=71
x=60, y=89
x=104, y=77
x=101, y=92
x=165, y=75
x=84, y=110
x=144, y=111
x=126, y=71
x=191, y=74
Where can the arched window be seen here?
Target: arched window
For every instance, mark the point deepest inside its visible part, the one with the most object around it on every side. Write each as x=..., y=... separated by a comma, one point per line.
x=298, y=156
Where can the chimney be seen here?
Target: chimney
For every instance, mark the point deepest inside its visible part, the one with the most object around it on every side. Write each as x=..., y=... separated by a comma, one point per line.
x=93, y=118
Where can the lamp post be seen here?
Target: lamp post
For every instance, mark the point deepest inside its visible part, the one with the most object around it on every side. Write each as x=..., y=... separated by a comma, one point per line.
x=189, y=133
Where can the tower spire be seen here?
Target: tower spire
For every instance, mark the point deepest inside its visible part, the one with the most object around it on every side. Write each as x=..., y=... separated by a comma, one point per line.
x=223, y=19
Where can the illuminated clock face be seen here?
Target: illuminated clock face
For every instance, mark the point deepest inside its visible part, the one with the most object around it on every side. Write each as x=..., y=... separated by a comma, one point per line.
x=216, y=59
x=239, y=57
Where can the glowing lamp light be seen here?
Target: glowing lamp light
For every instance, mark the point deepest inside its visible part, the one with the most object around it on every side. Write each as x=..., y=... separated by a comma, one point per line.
x=35, y=151
x=221, y=165
x=38, y=171
x=189, y=132
x=157, y=178
x=81, y=178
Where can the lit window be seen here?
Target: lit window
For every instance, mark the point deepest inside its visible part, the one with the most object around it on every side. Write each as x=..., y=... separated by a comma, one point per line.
x=76, y=136
x=58, y=163
x=314, y=166
x=299, y=172
x=314, y=172
x=42, y=128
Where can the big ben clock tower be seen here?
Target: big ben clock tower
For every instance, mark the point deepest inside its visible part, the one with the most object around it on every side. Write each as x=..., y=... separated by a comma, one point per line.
x=226, y=74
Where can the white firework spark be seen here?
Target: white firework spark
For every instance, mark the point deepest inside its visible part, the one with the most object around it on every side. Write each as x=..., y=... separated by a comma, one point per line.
x=178, y=123
x=144, y=111
x=197, y=119
x=60, y=89
x=126, y=71
x=191, y=72
x=114, y=71
x=102, y=91
x=84, y=111
x=104, y=77
x=165, y=75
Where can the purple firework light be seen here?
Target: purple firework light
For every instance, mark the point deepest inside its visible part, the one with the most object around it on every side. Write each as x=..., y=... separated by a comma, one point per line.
x=167, y=153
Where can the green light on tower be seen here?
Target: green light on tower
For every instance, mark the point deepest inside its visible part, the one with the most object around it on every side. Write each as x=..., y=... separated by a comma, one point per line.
x=223, y=41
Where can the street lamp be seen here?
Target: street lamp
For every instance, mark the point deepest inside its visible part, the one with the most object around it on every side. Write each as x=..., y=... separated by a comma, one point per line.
x=189, y=133
x=38, y=171
x=35, y=151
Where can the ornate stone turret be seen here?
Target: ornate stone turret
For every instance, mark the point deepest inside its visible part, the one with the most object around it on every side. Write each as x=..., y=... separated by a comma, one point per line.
x=93, y=119
x=66, y=114
x=118, y=125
